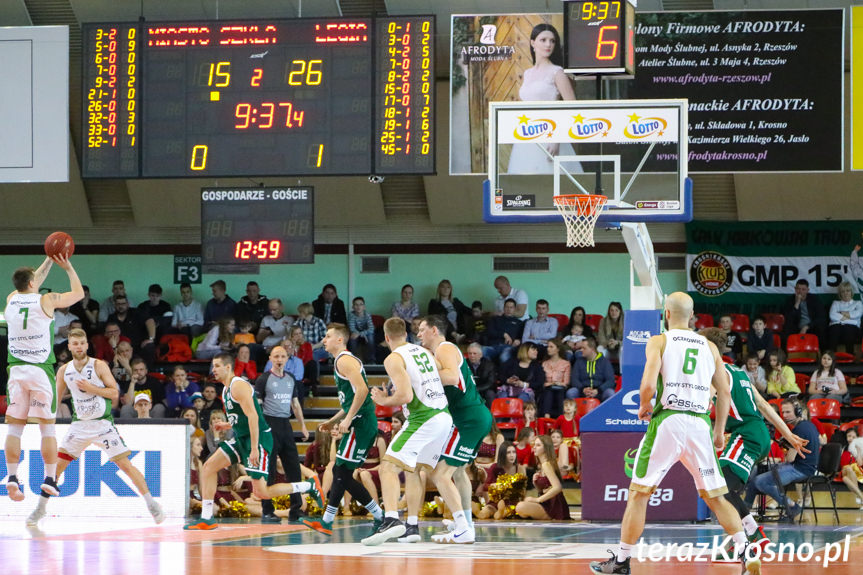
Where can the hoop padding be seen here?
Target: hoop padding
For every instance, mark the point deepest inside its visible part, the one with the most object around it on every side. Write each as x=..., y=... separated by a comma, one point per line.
x=580, y=212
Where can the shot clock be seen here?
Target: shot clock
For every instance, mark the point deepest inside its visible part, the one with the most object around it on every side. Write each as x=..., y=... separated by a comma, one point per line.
x=266, y=225
x=344, y=96
x=599, y=37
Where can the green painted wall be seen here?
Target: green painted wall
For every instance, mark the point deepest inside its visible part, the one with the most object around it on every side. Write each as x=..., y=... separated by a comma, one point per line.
x=589, y=280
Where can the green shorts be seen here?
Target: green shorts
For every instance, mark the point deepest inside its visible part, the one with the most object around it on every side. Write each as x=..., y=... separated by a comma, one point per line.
x=468, y=430
x=355, y=444
x=239, y=448
x=749, y=444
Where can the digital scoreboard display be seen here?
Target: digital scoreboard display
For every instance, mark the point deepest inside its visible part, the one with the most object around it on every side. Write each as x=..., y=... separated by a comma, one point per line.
x=264, y=98
x=265, y=225
x=599, y=37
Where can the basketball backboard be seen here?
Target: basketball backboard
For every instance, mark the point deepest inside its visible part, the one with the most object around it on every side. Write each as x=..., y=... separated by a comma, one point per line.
x=633, y=151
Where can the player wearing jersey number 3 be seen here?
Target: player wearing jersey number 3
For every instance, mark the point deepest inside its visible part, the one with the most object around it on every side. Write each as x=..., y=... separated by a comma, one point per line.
x=679, y=369
x=31, y=389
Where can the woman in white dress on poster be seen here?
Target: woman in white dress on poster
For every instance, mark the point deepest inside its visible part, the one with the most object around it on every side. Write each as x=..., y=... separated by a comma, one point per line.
x=545, y=81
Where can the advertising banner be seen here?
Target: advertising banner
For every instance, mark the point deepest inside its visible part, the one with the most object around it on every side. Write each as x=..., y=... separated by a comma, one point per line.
x=857, y=87
x=769, y=257
x=95, y=487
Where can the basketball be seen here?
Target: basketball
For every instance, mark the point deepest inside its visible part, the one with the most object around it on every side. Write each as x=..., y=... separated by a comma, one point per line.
x=59, y=243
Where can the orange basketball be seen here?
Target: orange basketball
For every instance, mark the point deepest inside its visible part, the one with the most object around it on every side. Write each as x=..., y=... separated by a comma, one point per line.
x=59, y=243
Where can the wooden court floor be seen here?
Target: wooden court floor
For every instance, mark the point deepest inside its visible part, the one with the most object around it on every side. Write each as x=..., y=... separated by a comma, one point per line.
x=81, y=546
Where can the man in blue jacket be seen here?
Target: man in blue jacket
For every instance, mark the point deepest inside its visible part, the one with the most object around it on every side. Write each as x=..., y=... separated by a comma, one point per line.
x=592, y=374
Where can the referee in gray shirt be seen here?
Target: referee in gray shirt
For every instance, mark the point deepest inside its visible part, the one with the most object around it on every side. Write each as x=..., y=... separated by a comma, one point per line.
x=277, y=391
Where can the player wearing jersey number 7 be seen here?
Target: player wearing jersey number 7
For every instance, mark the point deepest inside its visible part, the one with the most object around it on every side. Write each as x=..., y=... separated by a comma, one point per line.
x=683, y=370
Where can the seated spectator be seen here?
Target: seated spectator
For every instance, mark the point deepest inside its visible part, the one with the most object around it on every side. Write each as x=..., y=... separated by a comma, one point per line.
x=528, y=417
x=804, y=312
x=244, y=365
x=63, y=319
x=540, y=329
x=567, y=423
x=760, y=339
x=220, y=338
x=475, y=324
x=609, y=336
x=557, y=377
x=452, y=308
x=796, y=466
x=524, y=446
x=178, y=392
x=252, y=307
x=314, y=329
x=756, y=373
x=244, y=335
x=852, y=465
x=734, y=347
x=574, y=341
x=781, y=381
x=522, y=376
x=484, y=373
x=140, y=332
x=157, y=310
x=507, y=464
x=196, y=451
x=827, y=381
x=406, y=308
x=844, y=328
x=190, y=414
x=274, y=326
x=214, y=438
x=188, y=314
x=303, y=351
x=503, y=335
x=506, y=291
x=87, y=310
x=212, y=403
x=362, y=340
x=551, y=504
x=220, y=305
x=142, y=406
x=142, y=382
x=329, y=308
x=592, y=375
x=121, y=366
x=576, y=317
x=487, y=451
x=107, y=306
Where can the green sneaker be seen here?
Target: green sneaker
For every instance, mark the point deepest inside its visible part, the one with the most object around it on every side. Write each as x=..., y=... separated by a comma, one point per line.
x=316, y=490
x=201, y=524
x=319, y=525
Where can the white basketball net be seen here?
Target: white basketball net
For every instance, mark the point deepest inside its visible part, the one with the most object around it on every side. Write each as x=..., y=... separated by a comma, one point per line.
x=580, y=212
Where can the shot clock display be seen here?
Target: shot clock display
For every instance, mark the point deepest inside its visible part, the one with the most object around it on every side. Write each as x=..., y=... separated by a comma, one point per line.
x=599, y=37
x=257, y=225
x=264, y=98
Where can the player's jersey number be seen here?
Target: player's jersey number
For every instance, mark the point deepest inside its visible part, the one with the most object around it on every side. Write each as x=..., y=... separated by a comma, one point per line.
x=423, y=362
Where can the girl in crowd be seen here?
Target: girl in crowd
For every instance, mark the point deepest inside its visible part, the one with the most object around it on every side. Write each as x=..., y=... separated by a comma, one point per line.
x=220, y=338
x=213, y=437
x=557, y=372
x=523, y=375
x=562, y=453
x=190, y=414
x=451, y=307
x=780, y=377
x=756, y=374
x=528, y=411
x=550, y=504
x=487, y=452
x=610, y=333
x=576, y=317
x=507, y=463
x=178, y=393
x=196, y=449
x=406, y=308
x=524, y=446
x=828, y=382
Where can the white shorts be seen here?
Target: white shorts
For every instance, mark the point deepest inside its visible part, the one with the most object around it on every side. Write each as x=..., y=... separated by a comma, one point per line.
x=32, y=392
x=420, y=444
x=678, y=437
x=99, y=432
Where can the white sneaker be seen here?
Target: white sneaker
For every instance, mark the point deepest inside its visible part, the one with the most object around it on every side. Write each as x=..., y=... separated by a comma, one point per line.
x=449, y=524
x=465, y=537
x=156, y=511
x=33, y=518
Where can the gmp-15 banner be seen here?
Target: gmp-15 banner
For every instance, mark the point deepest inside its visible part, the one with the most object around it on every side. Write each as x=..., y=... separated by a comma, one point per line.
x=769, y=257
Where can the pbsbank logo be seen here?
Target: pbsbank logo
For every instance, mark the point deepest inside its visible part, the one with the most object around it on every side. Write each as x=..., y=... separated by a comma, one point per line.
x=711, y=274
x=530, y=129
x=585, y=128
x=639, y=128
x=638, y=336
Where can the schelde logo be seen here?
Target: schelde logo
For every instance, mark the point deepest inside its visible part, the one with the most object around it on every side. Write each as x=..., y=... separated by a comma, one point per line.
x=639, y=127
x=585, y=128
x=638, y=336
x=529, y=129
x=711, y=273
x=630, y=399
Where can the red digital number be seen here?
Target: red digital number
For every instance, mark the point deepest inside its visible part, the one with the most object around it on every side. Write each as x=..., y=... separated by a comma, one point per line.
x=600, y=44
x=275, y=248
x=242, y=249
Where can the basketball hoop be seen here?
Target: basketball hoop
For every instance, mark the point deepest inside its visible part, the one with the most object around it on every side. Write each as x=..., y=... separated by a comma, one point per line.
x=580, y=212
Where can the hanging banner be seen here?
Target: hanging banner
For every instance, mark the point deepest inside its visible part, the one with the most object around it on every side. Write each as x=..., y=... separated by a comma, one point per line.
x=857, y=87
x=769, y=257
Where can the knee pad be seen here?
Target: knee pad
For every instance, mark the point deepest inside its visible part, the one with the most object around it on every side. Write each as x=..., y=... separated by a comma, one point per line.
x=15, y=429
x=47, y=429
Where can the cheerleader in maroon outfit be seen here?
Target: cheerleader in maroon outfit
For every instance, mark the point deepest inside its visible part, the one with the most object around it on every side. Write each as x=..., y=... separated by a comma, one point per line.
x=551, y=504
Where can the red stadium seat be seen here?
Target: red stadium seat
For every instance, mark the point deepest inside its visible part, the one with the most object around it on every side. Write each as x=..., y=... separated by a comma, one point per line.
x=584, y=405
x=378, y=321
x=511, y=408
x=592, y=319
x=802, y=381
x=385, y=426
x=386, y=411
x=842, y=357
x=776, y=402
x=777, y=341
x=703, y=320
x=824, y=409
x=740, y=323
x=562, y=321
x=727, y=359
x=618, y=383
x=802, y=348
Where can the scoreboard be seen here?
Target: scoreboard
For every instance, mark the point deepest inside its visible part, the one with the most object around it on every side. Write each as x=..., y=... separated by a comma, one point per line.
x=300, y=97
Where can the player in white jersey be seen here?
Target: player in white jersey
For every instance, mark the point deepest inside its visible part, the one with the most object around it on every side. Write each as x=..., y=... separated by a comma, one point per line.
x=93, y=389
x=417, y=385
x=31, y=388
x=683, y=370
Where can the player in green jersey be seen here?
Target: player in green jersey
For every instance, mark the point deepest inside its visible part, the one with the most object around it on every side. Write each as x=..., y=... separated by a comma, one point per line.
x=250, y=446
x=357, y=427
x=471, y=418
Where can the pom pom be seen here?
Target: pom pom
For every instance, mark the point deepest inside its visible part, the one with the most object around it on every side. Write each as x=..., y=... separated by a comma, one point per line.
x=282, y=502
x=509, y=487
x=234, y=509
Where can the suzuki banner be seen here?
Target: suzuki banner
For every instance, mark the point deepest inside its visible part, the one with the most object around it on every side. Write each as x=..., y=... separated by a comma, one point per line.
x=93, y=486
